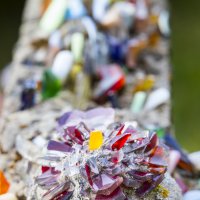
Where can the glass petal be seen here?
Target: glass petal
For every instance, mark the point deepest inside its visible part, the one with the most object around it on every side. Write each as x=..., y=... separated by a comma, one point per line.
x=148, y=186
x=59, y=146
x=119, y=141
x=105, y=184
x=117, y=194
x=153, y=142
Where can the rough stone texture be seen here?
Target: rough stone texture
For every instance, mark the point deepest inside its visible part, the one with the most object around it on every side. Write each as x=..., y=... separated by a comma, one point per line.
x=24, y=133
x=168, y=183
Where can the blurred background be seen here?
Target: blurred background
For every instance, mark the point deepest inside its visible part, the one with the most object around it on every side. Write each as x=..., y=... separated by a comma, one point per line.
x=185, y=59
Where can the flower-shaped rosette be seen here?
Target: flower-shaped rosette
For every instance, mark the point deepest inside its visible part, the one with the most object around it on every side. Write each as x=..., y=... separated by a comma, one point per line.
x=128, y=159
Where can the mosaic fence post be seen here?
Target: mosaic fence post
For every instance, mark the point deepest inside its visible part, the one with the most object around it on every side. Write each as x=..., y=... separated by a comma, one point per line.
x=109, y=59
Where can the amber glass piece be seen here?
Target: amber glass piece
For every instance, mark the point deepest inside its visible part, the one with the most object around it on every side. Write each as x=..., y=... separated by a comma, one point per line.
x=45, y=5
x=153, y=19
x=134, y=52
x=154, y=39
x=145, y=84
x=4, y=184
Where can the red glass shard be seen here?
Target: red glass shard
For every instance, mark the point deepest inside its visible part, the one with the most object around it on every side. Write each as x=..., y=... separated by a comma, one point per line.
x=74, y=134
x=118, y=85
x=88, y=173
x=152, y=144
x=44, y=169
x=84, y=130
x=119, y=141
x=120, y=129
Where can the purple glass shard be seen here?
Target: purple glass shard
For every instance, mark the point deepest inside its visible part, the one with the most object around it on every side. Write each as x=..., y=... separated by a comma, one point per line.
x=184, y=188
x=138, y=136
x=117, y=194
x=66, y=195
x=48, y=178
x=49, y=173
x=105, y=184
x=137, y=146
x=140, y=175
x=148, y=186
x=59, y=146
x=94, y=118
x=47, y=182
x=62, y=120
x=100, y=112
x=51, y=194
x=83, y=172
x=52, y=158
x=129, y=129
x=130, y=182
x=184, y=162
x=158, y=157
x=116, y=170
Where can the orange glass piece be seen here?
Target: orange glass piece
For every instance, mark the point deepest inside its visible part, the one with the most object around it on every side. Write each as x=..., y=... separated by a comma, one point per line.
x=45, y=5
x=135, y=50
x=154, y=39
x=96, y=140
x=4, y=184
